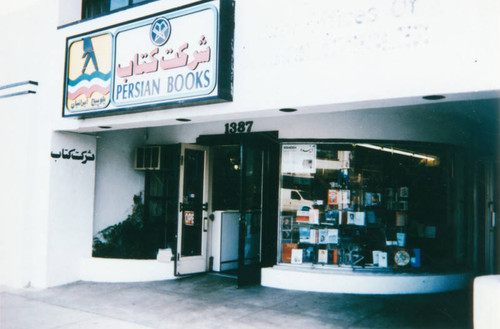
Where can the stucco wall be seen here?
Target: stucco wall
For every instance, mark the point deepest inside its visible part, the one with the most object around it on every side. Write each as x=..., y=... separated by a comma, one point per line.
x=334, y=56
x=71, y=205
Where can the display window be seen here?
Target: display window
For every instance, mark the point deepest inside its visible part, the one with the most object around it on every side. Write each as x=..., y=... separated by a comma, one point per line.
x=371, y=206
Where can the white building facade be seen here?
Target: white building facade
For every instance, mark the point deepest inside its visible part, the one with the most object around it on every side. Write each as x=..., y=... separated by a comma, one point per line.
x=324, y=146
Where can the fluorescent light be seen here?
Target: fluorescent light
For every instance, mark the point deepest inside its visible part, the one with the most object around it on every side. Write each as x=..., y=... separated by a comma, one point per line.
x=391, y=150
x=370, y=146
x=401, y=152
x=423, y=157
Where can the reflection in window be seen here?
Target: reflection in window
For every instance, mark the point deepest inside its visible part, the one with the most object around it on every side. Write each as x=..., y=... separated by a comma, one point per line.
x=385, y=207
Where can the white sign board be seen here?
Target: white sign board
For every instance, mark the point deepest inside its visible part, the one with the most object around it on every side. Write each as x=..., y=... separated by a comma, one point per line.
x=170, y=58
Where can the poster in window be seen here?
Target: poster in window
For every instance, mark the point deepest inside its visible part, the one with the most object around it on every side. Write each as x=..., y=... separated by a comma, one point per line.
x=189, y=218
x=298, y=158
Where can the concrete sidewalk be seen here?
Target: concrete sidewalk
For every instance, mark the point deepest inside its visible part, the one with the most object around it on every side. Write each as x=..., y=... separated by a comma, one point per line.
x=209, y=301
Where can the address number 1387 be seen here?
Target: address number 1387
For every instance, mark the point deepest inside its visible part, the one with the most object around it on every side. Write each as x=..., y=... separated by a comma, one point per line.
x=238, y=127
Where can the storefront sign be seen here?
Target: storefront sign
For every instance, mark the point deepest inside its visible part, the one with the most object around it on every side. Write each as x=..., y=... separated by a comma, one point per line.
x=160, y=61
x=73, y=154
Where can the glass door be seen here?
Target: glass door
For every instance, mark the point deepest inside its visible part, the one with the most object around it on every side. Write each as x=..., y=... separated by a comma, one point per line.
x=192, y=221
x=250, y=230
x=246, y=179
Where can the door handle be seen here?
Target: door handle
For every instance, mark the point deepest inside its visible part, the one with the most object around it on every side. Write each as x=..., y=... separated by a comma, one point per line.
x=205, y=224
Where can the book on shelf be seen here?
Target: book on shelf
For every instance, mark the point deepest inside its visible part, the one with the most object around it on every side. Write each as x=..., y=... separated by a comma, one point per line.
x=401, y=238
x=304, y=234
x=342, y=217
x=322, y=256
x=382, y=259
x=297, y=256
x=314, y=236
x=335, y=256
x=302, y=216
x=332, y=215
x=356, y=218
x=372, y=199
x=314, y=216
x=375, y=257
x=333, y=236
x=308, y=254
x=286, y=256
x=323, y=236
x=415, y=260
x=333, y=197
x=401, y=218
x=345, y=197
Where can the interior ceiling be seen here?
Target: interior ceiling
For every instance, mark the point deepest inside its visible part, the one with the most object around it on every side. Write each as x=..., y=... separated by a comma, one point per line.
x=480, y=115
x=479, y=118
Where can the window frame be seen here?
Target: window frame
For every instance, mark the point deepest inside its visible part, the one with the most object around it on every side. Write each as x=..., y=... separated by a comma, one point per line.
x=97, y=8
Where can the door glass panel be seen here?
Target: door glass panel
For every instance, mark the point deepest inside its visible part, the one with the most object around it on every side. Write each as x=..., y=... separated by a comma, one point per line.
x=252, y=199
x=250, y=223
x=226, y=178
x=252, y=237
x=192, y=205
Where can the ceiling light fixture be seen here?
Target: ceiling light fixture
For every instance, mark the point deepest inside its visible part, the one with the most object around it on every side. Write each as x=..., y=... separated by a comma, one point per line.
x=105, y=127
x=288, y=110
x=433, y=97
x=183, y=119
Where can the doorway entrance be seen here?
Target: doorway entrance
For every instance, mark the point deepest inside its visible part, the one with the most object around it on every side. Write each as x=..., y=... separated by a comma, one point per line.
x=218, y=201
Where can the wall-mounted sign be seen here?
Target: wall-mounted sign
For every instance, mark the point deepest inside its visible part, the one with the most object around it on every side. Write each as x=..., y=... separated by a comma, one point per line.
x=166, y=60
x=73, y=154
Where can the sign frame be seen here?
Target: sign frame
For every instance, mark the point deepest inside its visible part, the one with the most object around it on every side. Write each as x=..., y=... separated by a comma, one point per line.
x=102, y=104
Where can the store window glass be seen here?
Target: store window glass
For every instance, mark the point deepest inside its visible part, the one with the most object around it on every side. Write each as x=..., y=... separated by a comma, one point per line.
x=379, y=206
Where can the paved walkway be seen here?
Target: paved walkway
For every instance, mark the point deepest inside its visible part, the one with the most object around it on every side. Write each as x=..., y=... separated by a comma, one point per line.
x=209, y=301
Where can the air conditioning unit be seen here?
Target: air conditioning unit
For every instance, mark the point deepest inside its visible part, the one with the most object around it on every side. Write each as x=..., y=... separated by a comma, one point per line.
x=148, y=158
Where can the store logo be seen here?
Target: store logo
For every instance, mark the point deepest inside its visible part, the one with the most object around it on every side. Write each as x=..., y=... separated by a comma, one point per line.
x=160, y=31
x=89, y=73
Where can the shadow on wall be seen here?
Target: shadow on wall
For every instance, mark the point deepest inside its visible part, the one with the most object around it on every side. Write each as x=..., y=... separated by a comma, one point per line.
x=137, y=237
